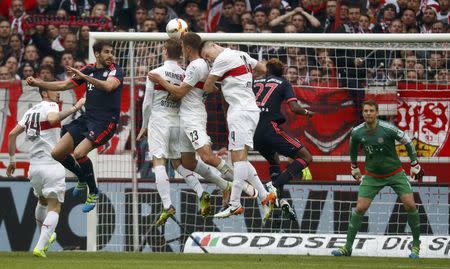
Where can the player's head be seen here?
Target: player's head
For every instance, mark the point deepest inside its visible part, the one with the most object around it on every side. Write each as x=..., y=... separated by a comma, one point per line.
x=46, y=95
x=191, y=44
x=274, y=67
x=370, y=111
x=209, y=51
x=103, y=51
x=172, y=49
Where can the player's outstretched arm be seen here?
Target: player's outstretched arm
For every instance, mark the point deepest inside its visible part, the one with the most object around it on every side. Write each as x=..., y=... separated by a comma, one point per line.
x=209, y=83
x=297, y=109
x=109, y=85
x=51, y=85
x=12, y=136
x=177, y=91
x=55, y=117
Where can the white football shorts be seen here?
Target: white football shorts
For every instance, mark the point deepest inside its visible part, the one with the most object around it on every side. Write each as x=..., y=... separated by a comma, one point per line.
x=163, y=140
x=48, y=180
x=241, y=128
x=193, y=136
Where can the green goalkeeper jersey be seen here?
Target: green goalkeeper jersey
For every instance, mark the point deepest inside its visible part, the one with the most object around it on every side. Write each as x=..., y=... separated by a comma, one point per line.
x=379, y=147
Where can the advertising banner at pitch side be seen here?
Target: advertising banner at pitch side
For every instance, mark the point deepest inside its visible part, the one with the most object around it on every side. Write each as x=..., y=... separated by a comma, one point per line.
x=314, y=244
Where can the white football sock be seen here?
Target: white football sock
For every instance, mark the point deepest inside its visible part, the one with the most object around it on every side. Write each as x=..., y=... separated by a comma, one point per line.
x=240, y=175
x=162, y=185
x=225, y=170
x=48, y=227
x=191, y=180
x=208, y=174
x=40, y=213
x=255, y=181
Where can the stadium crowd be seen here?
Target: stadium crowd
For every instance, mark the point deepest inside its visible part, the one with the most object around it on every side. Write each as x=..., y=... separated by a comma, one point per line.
x=40, y=37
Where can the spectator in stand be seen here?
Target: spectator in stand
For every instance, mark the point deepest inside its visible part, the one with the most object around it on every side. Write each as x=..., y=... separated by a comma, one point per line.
x=266, y=5
x=411, y=76
x=260, y=18
x=298, y=18
x=444, y=11
x=48, y=60
x=66, y=60
x=2, y=56
x=140, y=16
x=100, y=11
x=246, y=17
x=5, y=32
x=401, y=5
x=408, y=19
x=249, y=27
x=315, y=76
x=239, y=7
x=388, y=15
x=420, y=70
x=79, y=64
x=434, y=63
x=414, y=5
x=317, y=8
x=158, y=13
x=200, y=18
x=18, y=16
x=410, y=62
x=172, y=6
x=5, y=75
x=275, y=13
x=395, y=27
x=57, y=44
x=13, y=66
x=43, y=8
x=46, y=73
x=76, y=8
x=352, y=25
x=373, y=10
x=428, y=19
x=83, y=43
x=290, y=28
x=31, y=57
x=330, y=21
x=395, y=72
x=291, y=74
x=70, y=43
x=26, y=70
x=150, y=26
x=438, y=28
x=226, y=22
x=442, y=77
x=364, y=23
x=188, y=10
x=15, y=46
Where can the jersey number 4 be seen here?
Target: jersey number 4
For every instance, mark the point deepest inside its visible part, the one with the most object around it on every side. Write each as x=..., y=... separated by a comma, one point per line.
x=32, y=126
x=264, y=92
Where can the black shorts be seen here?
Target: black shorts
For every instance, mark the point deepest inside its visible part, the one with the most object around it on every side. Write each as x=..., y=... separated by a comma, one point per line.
x=270, y=138
x=97, y=132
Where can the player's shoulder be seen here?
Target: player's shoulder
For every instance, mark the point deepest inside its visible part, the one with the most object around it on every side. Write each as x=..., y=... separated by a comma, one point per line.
x=278, y=80
x=197, y=64
x=387, y=125
x=358, y=129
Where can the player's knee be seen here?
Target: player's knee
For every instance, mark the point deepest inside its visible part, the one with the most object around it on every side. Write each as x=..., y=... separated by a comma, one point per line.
x=305, y=155
x=361, y=209
x=57, y=155
x=78, y=154
x=409, y=207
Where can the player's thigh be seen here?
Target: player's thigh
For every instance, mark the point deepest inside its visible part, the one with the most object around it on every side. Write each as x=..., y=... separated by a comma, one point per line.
x=36, y=179
x=158, y=140
x=370, y=187
x=64, y=147
x=400, y=184
x=99, y=133
x=83, y=148
x=362, y=204
x=188, y=160
x=174, y=143
x=241, y=128
x=54, y=182
x=185, y=143
x=54, y=205
x=283, y=142
x=77, y=130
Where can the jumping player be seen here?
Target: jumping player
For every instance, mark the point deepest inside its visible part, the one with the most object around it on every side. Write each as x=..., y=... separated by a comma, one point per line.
x=104, y=82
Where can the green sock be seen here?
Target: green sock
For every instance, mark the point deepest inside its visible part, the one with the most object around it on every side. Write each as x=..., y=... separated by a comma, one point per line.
x=353, y=228
x=414, y=224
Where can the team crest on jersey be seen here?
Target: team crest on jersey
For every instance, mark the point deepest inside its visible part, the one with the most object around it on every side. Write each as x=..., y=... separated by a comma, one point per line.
x=105, y=74
x=380, y=140
x=92, y=134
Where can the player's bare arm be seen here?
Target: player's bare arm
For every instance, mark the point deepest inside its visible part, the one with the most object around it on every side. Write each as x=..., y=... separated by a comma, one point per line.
x=295, y=107
x=51, y=85
x=56, y=117
x=12, y=136
x=210, y=83
x=109, y=85
x=176, y=91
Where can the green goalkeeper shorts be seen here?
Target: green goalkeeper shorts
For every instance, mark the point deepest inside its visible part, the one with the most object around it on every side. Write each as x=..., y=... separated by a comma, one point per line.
x=370, y=186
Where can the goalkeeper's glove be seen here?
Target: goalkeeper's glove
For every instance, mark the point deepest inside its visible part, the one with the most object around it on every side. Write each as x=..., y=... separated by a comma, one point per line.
x=416, y=172
x=356, y=173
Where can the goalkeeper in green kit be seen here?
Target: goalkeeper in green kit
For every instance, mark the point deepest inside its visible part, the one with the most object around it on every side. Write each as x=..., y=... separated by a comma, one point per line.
x=383, y=168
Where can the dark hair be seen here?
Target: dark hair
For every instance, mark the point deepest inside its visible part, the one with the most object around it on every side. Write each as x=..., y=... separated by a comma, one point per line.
x=192, y=40
x=370, y=102
x=46, y=67
x=98, y=45
x=274, y=67
x=173, y=48
x=41, y=90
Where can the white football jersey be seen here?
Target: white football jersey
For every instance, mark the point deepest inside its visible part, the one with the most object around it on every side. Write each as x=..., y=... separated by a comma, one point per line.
x=157, y=104
x=235, y=71
x=193, y=103
x=40, y=133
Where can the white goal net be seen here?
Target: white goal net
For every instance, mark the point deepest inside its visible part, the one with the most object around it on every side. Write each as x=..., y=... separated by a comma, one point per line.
x=332, y=74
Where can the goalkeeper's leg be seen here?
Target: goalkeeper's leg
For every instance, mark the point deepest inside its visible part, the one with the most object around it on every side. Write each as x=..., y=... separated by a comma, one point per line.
x=413, y=222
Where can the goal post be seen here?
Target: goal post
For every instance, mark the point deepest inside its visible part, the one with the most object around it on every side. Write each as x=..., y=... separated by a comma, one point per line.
x=332, y=74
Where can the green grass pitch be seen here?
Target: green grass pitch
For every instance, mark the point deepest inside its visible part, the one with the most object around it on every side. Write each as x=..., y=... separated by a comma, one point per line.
x=108, y=260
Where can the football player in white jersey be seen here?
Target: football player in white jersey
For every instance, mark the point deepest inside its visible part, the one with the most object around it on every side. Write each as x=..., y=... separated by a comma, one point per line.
x=160, y=117
x=42, y=127
x=234, y=69
x=193, y=118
